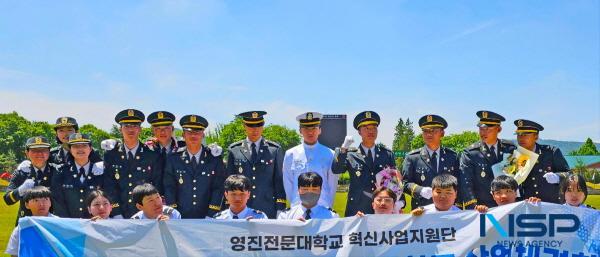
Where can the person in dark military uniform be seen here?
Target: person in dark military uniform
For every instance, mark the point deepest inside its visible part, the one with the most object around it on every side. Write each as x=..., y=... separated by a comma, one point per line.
x=194, y=175
x=476, y=162
x=39, y=173
x=362, y=164
x=74, y=180
x=162, y=129
x=551, y=167
x=422, y=165
x=261, y=161
x=64, y=127
x=130, y=164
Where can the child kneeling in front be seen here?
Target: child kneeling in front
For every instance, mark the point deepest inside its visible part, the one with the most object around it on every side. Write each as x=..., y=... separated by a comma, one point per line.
x=574, y=191
x=309, y=189
x=237, y=192
x=504, y=191
x=37, y=200
x=384, y=200
x=444, y=191
x=149, y=202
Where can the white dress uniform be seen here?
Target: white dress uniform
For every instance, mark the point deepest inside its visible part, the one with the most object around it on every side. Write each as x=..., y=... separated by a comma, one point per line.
x=245, y=213
x=317, y=212
x=431, y=208
x=304, y=158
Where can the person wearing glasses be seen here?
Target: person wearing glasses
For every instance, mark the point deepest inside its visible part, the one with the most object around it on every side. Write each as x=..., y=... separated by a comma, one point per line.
x=384, y=200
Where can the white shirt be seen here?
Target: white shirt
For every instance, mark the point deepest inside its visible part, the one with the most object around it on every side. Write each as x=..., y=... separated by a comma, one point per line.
x=132, y=150
x=367, y=151
x=197, y=155
x=86, y=168
x=304, y=158
x=257, y=143
x=495, y=145
x=168, y=146
x=437, y=152
x=12, y=248
x=431, y=208
x=246, y=212
x=580, y=206
x=317, y=212
x=174, y=214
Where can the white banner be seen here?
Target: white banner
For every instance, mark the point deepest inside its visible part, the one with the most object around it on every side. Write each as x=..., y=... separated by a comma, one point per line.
x=519, y=229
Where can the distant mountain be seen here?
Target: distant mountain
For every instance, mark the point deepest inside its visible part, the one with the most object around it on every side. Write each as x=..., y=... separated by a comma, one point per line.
x=565, y=147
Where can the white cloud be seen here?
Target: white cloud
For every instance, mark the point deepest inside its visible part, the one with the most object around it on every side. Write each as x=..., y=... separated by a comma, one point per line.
x=39, y=107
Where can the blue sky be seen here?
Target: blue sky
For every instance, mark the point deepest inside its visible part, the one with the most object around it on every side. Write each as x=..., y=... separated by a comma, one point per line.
x=538, y=60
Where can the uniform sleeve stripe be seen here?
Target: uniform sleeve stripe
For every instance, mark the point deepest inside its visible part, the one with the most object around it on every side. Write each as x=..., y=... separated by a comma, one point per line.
x=412, y=190
x=12, y=197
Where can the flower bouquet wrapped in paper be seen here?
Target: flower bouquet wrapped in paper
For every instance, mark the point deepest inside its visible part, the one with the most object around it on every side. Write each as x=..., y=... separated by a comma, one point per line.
x=517, y=164
x=392, y=179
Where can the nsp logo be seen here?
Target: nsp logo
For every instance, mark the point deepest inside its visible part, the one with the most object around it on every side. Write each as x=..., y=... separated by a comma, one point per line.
x=531, y=225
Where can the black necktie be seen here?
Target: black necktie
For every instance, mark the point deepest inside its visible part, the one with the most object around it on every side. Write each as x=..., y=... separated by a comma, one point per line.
x=253, y=157
x=434, y=164
x=493, y=153
x=163, y=151
x=81, y=174
x=235, y=217
x=307, y=214
x=194, y=162
x=370, y=157
x=130, y=158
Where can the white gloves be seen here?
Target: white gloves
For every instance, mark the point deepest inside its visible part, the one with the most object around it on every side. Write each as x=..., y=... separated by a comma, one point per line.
x=552, y=178
x=398, y=207
x=426, y=192
x=24, y=166
x=27, y=184
x=98, y=168
x=347, y=142
x=108, y=144
x=215, y=149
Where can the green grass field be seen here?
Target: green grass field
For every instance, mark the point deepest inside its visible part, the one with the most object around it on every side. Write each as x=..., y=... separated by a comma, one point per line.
x=8, y=214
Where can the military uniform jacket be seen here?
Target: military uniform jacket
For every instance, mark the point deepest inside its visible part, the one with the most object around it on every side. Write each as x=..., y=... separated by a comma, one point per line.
x=362, y=176
x=71, y=194
x=550, y=160
x=417, y=171
x=267, y=192
x=175, y=146
x=122, y=175
x=476, y=173
x=58, y=155
x=304, y=158
x=41, y=178
x=247, y=212
x=197, y=192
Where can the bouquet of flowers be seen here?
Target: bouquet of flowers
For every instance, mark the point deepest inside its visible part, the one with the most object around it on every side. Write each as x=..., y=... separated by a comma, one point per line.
x=392, y=179
x=517, y=164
